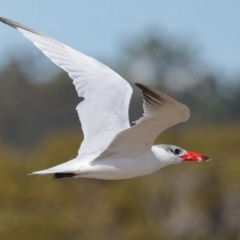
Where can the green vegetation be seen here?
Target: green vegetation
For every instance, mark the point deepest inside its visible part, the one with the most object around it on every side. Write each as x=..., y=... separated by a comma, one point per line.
x=184, y=201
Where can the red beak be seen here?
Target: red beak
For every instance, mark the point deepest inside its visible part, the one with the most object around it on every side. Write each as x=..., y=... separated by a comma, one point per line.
x=194, y=157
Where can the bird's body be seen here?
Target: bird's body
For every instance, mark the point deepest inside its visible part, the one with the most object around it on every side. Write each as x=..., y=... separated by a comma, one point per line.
x=119, y=167
x=111, y=148
x=116, y=167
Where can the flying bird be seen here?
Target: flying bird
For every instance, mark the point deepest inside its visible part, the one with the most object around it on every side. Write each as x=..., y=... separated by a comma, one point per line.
x=111, y=148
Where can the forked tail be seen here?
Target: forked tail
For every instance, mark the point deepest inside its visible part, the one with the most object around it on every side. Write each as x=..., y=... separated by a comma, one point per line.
x=66, y=169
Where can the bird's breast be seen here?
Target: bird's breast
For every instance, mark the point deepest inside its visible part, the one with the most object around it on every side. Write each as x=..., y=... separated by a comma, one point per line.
x=122, y=168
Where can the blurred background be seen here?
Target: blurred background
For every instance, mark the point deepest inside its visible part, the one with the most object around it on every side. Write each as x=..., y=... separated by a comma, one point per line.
x=187, y=49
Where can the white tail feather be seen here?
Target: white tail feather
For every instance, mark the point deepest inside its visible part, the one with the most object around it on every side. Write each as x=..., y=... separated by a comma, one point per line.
x=67, y=167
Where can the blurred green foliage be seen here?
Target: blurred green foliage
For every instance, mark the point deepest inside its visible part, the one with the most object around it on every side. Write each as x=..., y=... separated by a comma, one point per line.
x=184, y=201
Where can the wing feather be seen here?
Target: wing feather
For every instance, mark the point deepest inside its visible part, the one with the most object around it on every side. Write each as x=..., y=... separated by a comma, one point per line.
x=104, y=111
x=160, y=113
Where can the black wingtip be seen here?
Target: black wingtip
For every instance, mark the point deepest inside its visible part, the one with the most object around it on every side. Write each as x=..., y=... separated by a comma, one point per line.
x=150, y=95
x=139, y=85
x=17, y=25
x=8, y=22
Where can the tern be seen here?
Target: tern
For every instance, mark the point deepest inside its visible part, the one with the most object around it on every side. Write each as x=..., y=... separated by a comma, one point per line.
x=111, y=148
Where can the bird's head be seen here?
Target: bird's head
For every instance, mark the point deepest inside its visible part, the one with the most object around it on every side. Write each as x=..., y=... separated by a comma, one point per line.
x=170, y=154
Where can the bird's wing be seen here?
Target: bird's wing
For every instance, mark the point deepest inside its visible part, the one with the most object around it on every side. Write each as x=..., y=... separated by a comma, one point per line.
x=160, y=113
x=104, y=111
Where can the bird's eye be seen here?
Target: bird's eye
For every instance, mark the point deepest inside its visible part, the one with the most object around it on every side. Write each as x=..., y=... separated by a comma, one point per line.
x=177, y=151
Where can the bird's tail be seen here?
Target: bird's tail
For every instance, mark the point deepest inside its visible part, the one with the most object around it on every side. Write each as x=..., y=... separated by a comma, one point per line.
x=66, y=169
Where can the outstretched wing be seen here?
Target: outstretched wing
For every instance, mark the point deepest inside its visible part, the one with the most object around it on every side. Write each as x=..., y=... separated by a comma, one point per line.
x=160, y=113
x=104, y=111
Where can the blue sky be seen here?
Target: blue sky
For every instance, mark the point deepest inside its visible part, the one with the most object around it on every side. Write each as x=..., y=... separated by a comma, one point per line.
x=100, y=28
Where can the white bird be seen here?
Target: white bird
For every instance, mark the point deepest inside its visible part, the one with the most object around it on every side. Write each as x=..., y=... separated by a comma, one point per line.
x=111, y=149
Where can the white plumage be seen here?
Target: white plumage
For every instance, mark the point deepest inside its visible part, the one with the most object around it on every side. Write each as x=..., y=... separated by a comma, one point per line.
x=111, y=149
